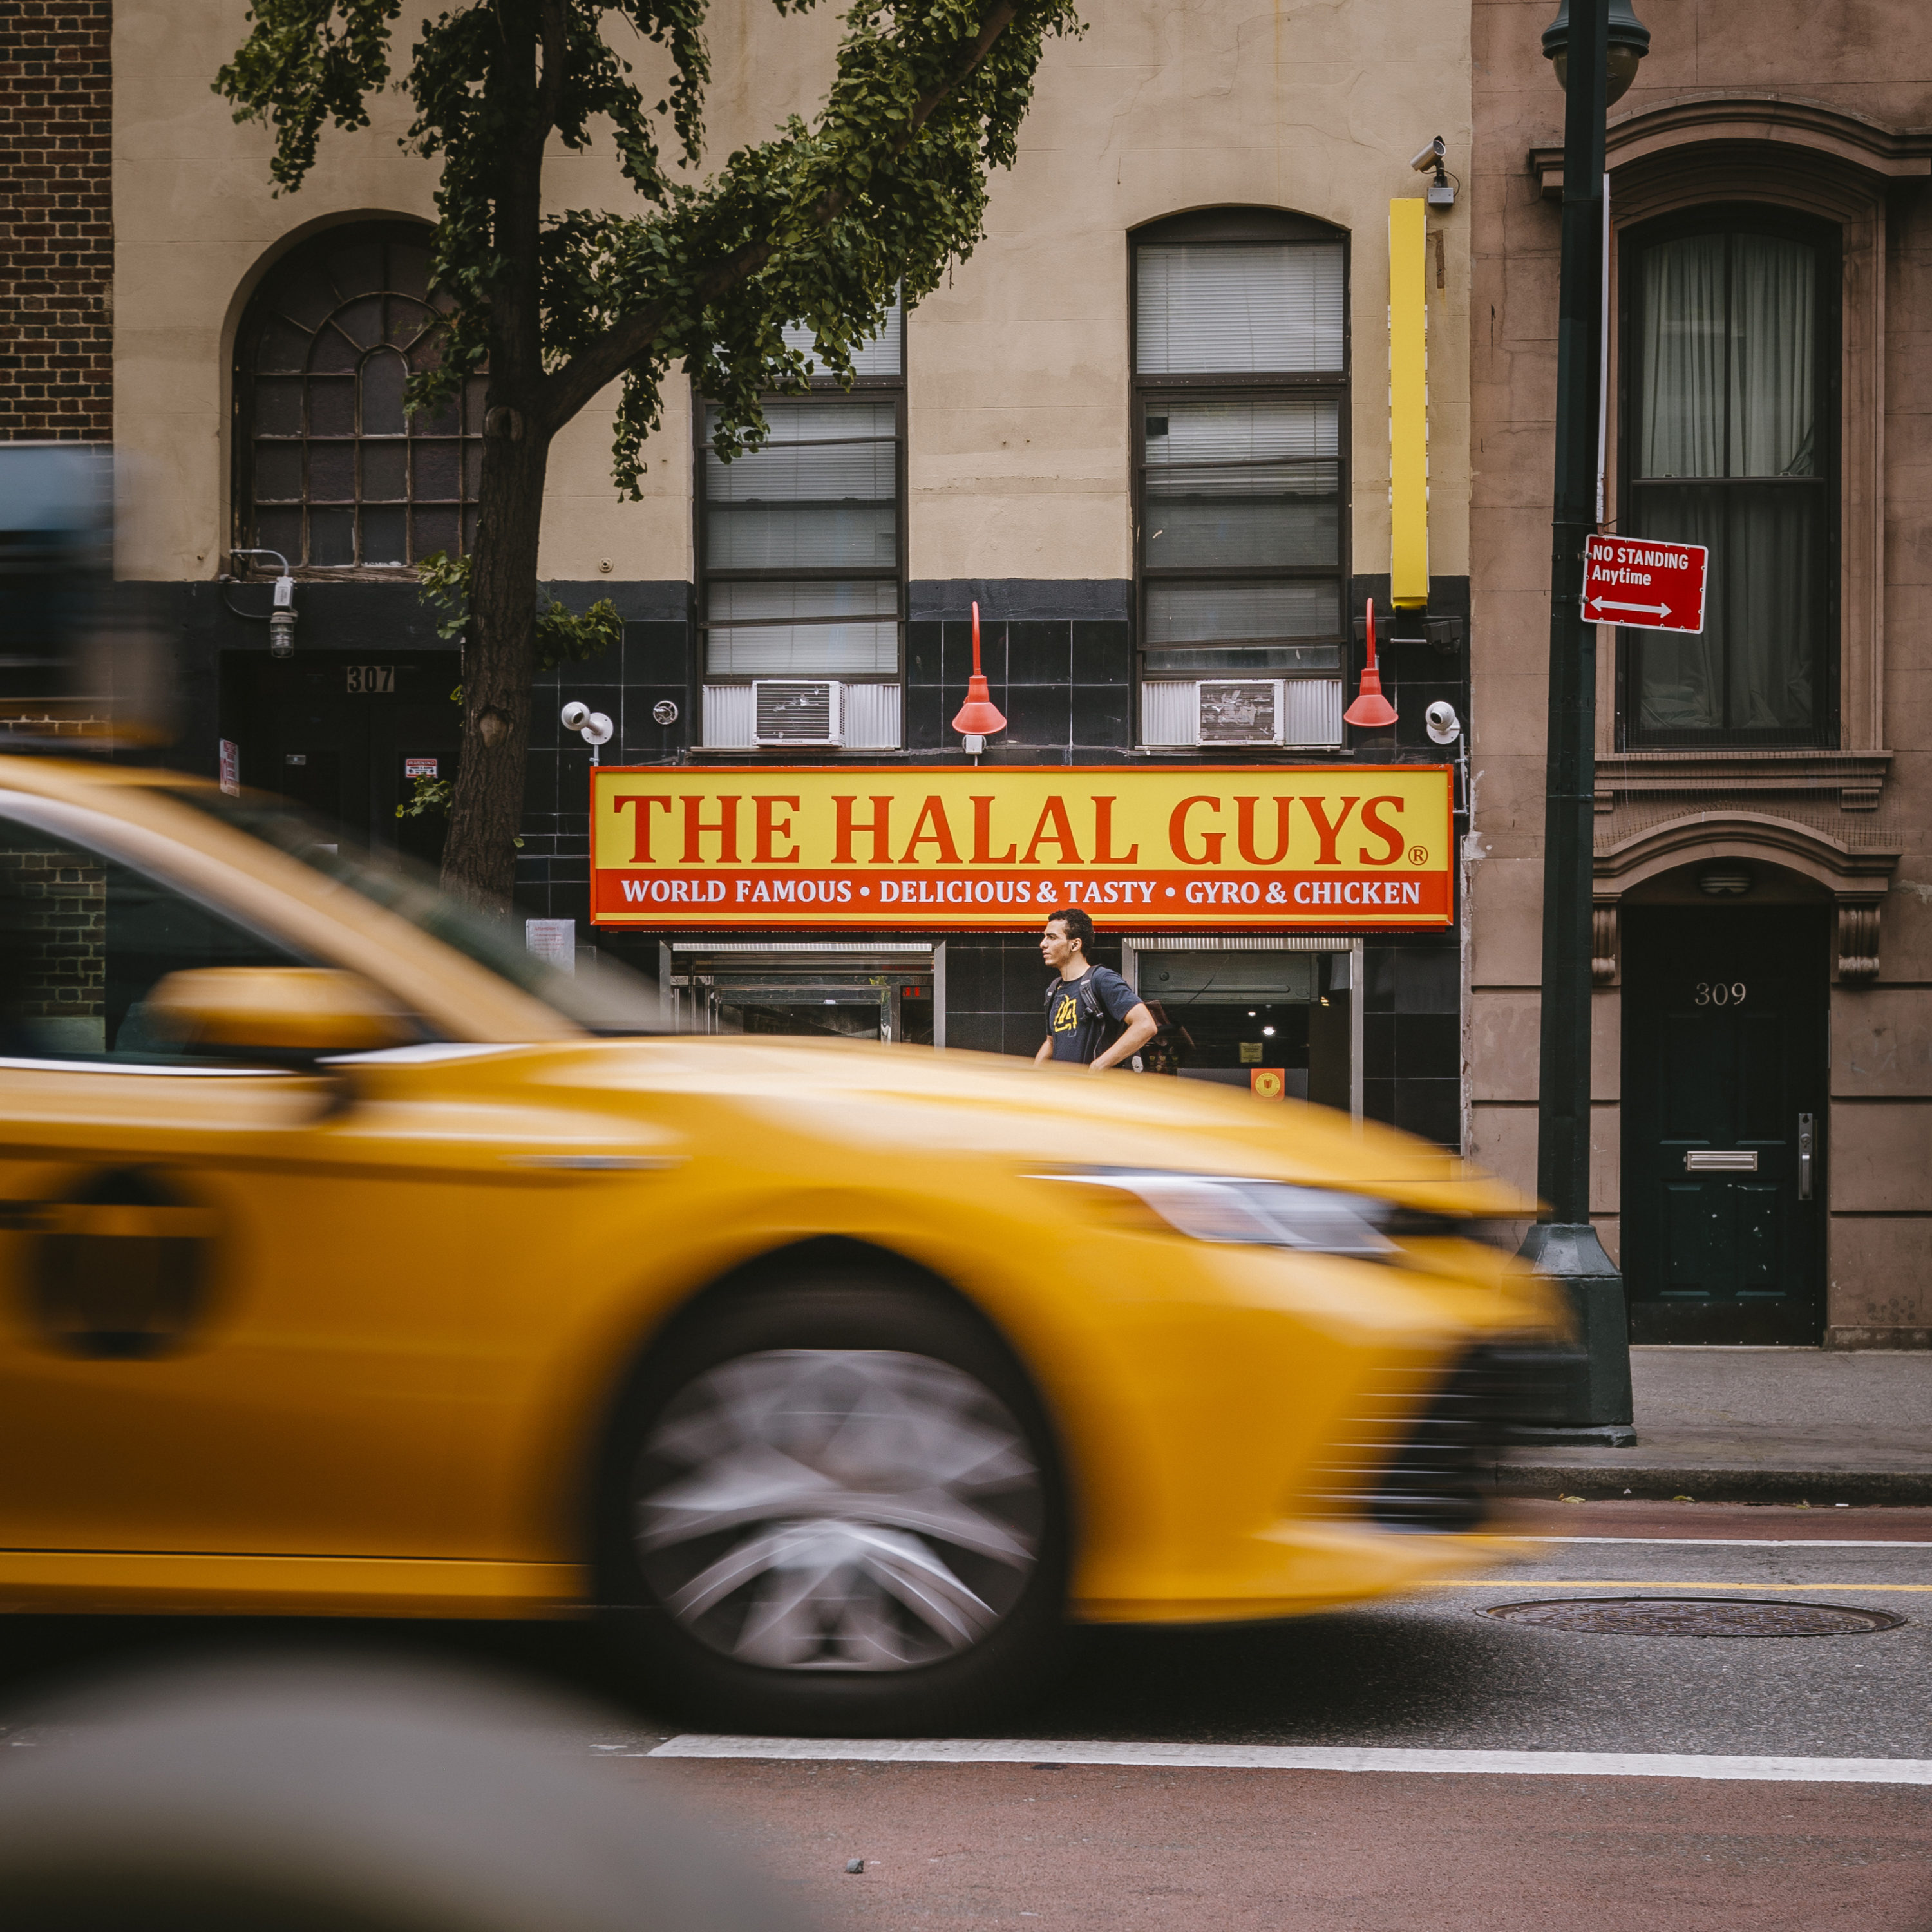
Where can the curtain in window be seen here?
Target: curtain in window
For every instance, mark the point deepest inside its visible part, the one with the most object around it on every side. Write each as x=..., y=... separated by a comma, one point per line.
x=1773, y=303
x=1683, y=426
x=1726, y=387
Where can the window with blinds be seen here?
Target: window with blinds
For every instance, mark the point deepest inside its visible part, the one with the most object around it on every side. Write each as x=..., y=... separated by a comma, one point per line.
x=1240, y=368
x=801, y=540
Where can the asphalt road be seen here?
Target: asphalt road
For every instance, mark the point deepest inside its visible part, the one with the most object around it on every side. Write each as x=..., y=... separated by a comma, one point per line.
x=1198, y=1843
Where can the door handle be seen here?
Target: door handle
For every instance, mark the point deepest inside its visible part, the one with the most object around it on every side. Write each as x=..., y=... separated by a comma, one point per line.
x=1807, y=1137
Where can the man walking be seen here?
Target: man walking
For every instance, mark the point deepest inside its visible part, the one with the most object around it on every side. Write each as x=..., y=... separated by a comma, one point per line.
x=1093, y=1017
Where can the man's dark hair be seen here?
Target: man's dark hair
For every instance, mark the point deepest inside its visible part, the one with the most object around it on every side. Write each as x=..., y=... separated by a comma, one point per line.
x=1079, y=925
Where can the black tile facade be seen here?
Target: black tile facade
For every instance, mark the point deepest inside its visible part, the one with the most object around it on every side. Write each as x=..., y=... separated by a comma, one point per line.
x=1059, y=659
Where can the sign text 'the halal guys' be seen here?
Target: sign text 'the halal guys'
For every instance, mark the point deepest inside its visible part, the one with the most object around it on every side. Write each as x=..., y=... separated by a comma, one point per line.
x=1211, y=846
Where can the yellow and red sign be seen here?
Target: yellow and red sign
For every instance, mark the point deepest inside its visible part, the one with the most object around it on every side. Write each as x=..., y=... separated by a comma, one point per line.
x=1265, y=847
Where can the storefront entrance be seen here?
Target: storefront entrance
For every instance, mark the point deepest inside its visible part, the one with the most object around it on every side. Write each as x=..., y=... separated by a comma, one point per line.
x=1723, y=1113
x=1232, y=1009
x=825, y=992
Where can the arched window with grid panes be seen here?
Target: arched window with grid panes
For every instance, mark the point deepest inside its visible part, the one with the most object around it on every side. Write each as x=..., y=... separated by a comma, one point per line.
x=330, y=470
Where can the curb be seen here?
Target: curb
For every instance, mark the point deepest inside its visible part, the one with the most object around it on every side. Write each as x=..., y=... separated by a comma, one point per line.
x=1707, y=1485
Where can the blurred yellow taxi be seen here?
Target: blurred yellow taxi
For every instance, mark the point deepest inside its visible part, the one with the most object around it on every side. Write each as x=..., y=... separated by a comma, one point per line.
x=352, y=1262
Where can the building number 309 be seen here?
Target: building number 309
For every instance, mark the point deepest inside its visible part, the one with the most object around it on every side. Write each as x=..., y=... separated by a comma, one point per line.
x=1716, y=993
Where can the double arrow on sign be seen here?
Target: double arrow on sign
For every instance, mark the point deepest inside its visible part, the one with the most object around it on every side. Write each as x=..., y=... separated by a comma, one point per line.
x=1638, y=610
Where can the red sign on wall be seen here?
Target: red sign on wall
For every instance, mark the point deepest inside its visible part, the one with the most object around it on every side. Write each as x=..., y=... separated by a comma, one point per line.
x=1644, y=582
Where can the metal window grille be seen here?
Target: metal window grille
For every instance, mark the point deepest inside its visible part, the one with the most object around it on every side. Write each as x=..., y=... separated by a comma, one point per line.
x=332, y=471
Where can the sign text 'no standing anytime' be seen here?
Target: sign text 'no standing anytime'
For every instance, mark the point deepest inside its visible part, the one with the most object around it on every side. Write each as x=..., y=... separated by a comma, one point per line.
x=1647, y=584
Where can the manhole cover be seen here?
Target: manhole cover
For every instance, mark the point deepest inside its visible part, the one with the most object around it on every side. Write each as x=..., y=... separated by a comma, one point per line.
x=1695, y=1616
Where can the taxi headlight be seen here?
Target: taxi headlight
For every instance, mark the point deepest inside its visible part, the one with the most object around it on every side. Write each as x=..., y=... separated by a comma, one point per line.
x=1254, y=1214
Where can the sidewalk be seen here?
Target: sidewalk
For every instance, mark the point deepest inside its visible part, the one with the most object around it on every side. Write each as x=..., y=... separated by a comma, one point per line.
x=1756, y=1425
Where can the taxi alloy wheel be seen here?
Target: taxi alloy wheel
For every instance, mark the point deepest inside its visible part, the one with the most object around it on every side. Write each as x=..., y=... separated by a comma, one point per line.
x=841, y=1512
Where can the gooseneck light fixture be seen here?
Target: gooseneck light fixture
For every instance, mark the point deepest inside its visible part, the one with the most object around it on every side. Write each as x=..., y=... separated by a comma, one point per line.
x=979, y=717
x=1371, y=711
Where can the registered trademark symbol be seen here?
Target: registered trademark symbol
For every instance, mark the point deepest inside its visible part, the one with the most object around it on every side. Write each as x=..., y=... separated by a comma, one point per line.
x=1418, y=855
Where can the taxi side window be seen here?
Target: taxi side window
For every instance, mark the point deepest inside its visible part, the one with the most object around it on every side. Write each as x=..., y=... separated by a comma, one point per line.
x=85, y=939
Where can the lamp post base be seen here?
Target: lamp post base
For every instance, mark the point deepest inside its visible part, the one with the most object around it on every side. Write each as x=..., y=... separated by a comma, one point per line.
x=1598, y=1393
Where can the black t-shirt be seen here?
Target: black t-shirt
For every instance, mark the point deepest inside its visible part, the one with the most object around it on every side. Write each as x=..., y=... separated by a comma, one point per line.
x=1085, y=1016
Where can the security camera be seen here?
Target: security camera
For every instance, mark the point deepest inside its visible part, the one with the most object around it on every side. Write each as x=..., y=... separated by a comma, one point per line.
x=596, y=729
x=573, y=714
x=1445, y=727
x=1431, y=156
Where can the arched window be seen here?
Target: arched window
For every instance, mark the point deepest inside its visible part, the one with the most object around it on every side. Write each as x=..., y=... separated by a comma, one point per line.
x=1730, y=423
x=329, y=470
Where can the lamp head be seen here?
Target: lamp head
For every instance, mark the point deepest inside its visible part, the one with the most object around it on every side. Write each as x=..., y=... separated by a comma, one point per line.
x=573, y=715
x=1629, y=42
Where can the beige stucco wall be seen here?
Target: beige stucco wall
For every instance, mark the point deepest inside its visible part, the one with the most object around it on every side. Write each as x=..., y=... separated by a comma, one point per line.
x=1874, y=62
x=1017, y=369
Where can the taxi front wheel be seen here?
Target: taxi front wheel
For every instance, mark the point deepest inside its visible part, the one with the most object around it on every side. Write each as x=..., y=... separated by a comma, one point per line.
x=832, y=1507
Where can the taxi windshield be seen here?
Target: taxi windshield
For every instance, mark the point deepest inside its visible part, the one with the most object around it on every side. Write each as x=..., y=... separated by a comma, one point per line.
x=607, y=999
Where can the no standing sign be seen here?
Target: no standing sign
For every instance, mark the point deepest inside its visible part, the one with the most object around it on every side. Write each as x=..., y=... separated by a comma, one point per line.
x=1646, y=583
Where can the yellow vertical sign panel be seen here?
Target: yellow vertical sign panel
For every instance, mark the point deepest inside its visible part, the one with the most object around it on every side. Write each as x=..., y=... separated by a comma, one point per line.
x=1408, y=406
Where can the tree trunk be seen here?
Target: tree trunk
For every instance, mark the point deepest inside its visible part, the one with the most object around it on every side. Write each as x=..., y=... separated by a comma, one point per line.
x=479, y=861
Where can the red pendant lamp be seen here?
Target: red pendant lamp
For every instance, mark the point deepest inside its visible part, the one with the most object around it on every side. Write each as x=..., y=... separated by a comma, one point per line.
x=979, y=717
x=1371, y=710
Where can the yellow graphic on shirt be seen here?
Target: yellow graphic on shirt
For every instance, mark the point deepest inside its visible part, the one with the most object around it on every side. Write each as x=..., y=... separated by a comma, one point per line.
x=1066, y=1014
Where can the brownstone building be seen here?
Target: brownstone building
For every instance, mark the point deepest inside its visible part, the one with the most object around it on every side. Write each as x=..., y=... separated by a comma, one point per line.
x=1762, y=1086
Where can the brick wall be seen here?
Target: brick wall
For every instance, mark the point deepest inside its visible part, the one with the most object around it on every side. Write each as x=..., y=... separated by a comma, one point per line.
x=53, y=924
x=56, y=221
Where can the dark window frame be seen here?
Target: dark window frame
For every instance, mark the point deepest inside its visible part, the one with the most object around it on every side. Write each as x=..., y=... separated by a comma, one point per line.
x=264, y=311
x=1240, y=224
x=1826, y=237
x=705, y=575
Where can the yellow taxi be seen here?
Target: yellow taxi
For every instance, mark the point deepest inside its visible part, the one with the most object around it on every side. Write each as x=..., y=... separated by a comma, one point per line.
x=352, y=1262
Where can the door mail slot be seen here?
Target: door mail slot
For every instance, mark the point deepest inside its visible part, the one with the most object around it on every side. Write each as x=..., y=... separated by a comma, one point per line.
x=1708, y=1160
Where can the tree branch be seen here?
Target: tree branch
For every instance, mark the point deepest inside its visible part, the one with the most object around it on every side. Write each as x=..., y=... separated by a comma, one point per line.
x=566, y=391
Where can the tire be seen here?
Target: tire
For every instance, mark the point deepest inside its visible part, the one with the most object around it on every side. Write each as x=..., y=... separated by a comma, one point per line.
x=832, y=1507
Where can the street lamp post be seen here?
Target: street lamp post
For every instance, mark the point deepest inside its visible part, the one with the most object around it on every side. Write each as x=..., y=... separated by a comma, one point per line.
x=1564, y=1246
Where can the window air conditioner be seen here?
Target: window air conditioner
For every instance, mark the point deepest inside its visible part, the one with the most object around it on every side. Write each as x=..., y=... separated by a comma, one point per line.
x=1246, y=711
x=798, y=711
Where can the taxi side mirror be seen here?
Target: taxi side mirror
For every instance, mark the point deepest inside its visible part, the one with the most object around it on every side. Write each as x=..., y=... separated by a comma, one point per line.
x=280, y=1009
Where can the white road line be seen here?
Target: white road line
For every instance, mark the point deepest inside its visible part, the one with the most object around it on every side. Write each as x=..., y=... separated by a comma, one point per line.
x=1739, y=1542
x=1305, y=1757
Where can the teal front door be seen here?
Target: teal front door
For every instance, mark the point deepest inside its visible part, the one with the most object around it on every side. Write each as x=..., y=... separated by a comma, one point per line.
x=1724, y=1113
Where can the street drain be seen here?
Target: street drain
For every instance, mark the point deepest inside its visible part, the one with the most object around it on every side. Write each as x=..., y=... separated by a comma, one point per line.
x=1695, y=1616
